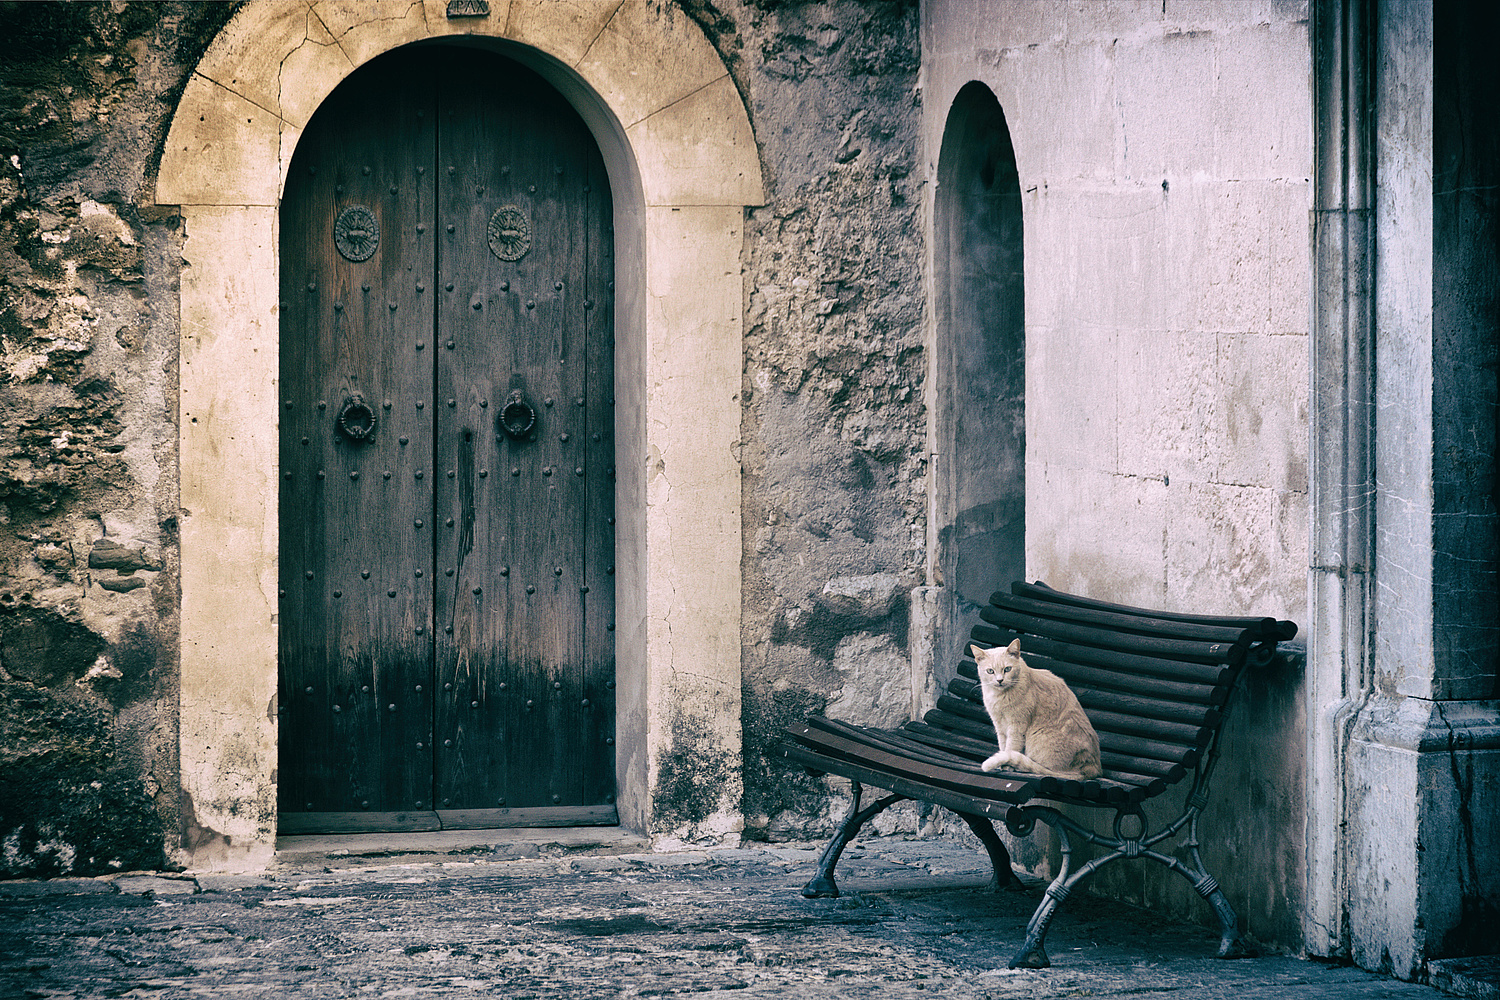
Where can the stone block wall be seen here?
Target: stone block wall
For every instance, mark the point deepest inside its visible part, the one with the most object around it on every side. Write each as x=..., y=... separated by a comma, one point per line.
x=1165, y=156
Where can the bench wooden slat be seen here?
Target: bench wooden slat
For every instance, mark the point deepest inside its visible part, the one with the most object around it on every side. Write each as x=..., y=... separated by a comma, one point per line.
x=1281, y=631
x=1147, y=708
x=917, y=790
x=944, y=719
x=963, y=699
x=1132, y=663
x=887, y=741
x=1112, y=701
x=944, y=739
x=1096, y=677
x=1144, y=766
x=900, y=743
x=986, y=786
x=1148, y=786
x=1155, y=729
x=1133, y=623
x=1135, y=746
x=1180, y=649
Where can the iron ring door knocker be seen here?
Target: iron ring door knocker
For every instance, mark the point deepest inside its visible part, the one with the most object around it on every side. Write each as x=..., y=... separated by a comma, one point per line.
x=517, y=417
x=357, y=419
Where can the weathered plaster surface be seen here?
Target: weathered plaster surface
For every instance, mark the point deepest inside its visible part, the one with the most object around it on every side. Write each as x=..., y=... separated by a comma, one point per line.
x=1421, y=774
x=228, y=491
x=1423, y=810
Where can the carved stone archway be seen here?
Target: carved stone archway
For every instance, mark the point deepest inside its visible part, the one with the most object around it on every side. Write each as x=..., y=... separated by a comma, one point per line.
x=683, y=165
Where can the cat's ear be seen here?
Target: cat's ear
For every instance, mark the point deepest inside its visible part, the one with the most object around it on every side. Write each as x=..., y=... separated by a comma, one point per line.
x=1014, y=648
x=977, y=653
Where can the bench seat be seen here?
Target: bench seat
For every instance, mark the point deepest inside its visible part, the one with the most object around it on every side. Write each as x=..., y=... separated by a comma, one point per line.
x=1156, y=685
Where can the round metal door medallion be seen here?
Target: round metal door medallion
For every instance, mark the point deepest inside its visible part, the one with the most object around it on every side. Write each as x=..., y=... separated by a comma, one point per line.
x=356, y=233
x=510, y=233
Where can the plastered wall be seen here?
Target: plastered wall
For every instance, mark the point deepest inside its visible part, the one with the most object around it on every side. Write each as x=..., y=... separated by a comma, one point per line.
x=1164, y=154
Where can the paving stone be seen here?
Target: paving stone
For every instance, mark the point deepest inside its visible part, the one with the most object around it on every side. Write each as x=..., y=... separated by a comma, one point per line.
x=1467, y=977
x=676, y=859
x=155, y=884
x=231, y=881
x=712, y=923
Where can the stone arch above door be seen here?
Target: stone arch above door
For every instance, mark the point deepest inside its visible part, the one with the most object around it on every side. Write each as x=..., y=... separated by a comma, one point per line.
x=683, y=164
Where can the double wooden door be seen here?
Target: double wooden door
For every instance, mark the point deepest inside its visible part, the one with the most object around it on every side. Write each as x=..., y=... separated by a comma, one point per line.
x=446, y=455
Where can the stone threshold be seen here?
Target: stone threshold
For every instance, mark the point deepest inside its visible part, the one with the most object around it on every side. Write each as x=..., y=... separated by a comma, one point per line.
x=510, y=842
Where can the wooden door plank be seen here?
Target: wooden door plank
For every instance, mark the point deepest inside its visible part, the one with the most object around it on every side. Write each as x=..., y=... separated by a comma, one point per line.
x=356, y=662
x=302, y=823
x=511, y=718
x=596, y=750
x=537, y=816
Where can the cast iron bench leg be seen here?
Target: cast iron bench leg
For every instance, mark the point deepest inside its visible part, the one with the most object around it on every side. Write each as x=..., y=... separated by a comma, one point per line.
x=1020, y=822
x=1033, y=954
x=1231, y=944
x=822, y=886
x=1005, y=877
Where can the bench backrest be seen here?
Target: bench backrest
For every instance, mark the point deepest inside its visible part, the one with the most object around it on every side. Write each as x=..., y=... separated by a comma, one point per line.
x=1156, y=685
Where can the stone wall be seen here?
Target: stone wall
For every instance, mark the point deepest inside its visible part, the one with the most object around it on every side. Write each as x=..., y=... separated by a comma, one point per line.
x=834, y=488
x=1164, y=153
x=88, y=508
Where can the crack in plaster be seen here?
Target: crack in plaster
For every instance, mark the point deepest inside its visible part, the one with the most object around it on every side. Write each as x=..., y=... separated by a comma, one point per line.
x=307, y=39
x=244, y=97
x=338, y=39
x=1463, y=786
x=685, y=97
x=282, y=164
x=592, y=41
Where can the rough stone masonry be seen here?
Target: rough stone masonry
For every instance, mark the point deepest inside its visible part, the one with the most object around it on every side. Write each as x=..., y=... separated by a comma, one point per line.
x=834, y=478
x=87, y=441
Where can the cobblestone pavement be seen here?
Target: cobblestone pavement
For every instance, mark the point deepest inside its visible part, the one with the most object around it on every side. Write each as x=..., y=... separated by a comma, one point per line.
x=917, y=919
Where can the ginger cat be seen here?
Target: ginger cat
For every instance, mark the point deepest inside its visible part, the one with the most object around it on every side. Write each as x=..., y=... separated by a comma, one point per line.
x=1039, y=725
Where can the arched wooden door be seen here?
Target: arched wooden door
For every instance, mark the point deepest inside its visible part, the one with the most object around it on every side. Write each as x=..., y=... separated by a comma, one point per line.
x=447, y=450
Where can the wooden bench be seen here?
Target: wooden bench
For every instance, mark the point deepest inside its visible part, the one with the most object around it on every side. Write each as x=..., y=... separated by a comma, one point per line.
x=1155, y=684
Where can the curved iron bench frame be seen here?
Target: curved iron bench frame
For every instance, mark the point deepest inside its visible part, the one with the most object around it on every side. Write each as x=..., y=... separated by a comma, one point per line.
x=1130, y=666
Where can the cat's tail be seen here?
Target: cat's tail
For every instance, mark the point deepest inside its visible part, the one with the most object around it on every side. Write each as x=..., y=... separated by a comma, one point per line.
x=1021, y=762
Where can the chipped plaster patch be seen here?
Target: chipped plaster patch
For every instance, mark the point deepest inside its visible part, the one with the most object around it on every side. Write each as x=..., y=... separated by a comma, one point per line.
x=94, y=210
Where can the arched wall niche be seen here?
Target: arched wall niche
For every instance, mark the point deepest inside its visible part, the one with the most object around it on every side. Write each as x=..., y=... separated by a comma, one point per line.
x=683, y=165
x=979, y=382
